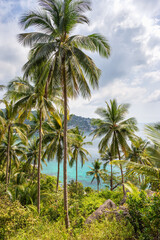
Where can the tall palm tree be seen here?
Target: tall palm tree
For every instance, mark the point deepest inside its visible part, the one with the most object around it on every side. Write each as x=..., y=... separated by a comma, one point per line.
x=96, y=172
x=115, y=129
x=78, y=150
x=70, y=66
x=10, y=123
x=30, y=94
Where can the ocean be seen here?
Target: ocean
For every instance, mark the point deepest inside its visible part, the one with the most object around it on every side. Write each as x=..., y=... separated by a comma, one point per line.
x=51, y=168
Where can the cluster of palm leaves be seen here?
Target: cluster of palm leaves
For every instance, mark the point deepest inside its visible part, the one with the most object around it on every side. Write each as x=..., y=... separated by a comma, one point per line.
x=57, y=69
x=137, y=159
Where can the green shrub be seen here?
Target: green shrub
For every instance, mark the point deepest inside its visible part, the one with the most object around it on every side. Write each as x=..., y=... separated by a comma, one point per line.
x=145, y=215
x=107, y=230
x=88, y=190
x=75, y=191
x=104, y=230
x=13, y=216
x=116, y=196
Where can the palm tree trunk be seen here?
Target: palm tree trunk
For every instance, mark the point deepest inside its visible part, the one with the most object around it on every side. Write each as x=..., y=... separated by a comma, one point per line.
x=124, y=191
x=58, y=176
x=9, y=170
x=111, y=178
x=8, y=158
x=97, y=186
x=65, y=145
x=39, y=160
x=76, y=173
x=34, y=165
x=48, y=82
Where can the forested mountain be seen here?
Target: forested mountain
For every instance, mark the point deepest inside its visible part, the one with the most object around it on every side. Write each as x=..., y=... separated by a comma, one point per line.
x=83, y=123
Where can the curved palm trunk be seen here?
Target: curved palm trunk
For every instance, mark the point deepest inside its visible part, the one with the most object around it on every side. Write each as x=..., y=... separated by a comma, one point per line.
x=8, y=158
x=39, y=160
x=76, y=173
x=124, y=191
x=58, y=176
x=65, y=145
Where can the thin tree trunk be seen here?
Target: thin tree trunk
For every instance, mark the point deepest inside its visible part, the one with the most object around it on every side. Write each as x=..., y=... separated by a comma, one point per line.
x=111, y=178
x=116, y=185
x=47, y=83
x=8, y=158
x=58, y=176
x=76, y=173
x=34, y=166
x=97, y=186
x=124, y=191
x=65, y=146
x=139, y=180
x=39, y=160
x=9, y=170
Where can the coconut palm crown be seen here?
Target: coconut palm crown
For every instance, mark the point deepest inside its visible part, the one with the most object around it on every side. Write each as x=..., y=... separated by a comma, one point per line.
x=114, y=129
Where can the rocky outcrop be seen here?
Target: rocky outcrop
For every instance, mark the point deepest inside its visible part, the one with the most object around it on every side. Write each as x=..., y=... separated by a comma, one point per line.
x=108, y=209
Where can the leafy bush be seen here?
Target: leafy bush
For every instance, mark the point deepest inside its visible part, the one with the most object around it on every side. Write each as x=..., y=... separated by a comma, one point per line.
x=75, y=191
x=88, y=190
x=110, y=230
x=145, y=215
x=13, y=216
x=116, y=196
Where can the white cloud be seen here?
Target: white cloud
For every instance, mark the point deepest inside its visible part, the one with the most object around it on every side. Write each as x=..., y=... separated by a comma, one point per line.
x=123, y=92
x=154, y=96
x=132, y=28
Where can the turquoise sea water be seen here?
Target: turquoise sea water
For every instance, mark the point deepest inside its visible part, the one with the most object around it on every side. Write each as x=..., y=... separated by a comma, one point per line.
x=51, y=168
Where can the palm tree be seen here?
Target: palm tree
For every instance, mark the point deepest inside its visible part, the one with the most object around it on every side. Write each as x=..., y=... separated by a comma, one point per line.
x=138, y=154
x=107, y=158
x=53, y=142
x=30, y=94
x=32, y=153
x=77, y=148
x=150, y=164
x=10, y=123
x=115, y=129
x=96, y=172
x=137, y=150
x=16, y=150
x=69, y=65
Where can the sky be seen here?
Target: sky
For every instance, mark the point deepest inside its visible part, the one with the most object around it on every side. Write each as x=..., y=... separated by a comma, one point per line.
x=131, y=74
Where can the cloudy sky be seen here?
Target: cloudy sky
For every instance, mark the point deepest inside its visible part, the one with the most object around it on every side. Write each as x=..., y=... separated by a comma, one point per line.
x=131, y=74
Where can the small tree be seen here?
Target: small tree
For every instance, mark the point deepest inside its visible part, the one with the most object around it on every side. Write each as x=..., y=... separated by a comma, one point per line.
x=77, y=147
x=96, y=172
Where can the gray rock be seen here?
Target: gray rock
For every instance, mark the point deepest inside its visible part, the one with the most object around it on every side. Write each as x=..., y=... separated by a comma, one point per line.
x=108, y=209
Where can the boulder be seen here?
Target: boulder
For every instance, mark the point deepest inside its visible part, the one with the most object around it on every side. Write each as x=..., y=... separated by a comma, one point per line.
x=108, y=209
